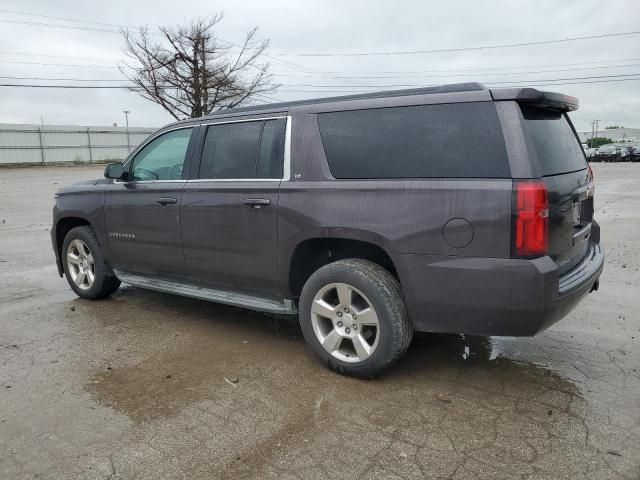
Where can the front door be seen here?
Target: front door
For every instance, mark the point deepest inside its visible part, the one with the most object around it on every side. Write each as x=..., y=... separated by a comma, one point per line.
x=142, y=214
x=229, y=210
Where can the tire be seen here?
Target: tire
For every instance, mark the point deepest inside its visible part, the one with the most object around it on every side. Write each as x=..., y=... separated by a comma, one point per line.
x=82, y=258
x=360, y=350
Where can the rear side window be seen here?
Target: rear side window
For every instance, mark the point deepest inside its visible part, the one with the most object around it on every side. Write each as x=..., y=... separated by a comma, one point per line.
x=230, y=150
x=244, y=150
x=450, y=140
x=271, y=155
x=551, y=136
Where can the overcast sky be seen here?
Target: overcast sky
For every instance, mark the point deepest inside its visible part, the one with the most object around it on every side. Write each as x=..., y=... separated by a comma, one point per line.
x=298, y=27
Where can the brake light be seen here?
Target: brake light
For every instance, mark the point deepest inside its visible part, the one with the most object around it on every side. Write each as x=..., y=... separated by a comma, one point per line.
x=531, y=219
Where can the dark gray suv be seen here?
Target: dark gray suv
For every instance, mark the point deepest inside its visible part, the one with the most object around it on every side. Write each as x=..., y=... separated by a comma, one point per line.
x=449, y=209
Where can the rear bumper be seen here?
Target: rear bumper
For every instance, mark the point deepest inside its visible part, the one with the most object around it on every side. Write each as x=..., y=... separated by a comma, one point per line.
x=582, y=274
x=492, y=296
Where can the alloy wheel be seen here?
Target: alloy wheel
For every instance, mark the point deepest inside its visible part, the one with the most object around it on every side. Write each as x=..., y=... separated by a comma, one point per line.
x=345, y=322
x=80, y=264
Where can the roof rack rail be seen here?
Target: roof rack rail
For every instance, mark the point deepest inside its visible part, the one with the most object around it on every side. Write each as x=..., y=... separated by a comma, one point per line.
x=452, y=88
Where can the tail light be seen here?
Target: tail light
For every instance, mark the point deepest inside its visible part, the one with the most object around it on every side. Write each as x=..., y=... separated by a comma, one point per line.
x=531, y=219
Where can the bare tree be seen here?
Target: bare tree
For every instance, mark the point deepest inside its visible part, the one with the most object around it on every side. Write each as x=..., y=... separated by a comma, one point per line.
x=190, y=72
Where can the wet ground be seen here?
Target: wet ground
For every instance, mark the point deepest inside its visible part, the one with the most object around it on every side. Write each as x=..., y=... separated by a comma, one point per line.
x=148, y=385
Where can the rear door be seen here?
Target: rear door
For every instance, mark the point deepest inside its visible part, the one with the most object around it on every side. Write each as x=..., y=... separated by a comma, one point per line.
x=229, y=212
x=553, y=144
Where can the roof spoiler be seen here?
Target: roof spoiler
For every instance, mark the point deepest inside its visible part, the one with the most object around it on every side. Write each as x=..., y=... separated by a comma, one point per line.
x=531, y=96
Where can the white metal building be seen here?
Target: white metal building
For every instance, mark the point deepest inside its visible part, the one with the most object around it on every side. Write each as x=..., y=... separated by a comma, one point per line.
x=615, y=134
x=45, y=144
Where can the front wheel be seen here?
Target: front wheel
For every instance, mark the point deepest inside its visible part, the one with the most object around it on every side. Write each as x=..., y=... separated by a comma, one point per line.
x=353, y=316
x=84, y=265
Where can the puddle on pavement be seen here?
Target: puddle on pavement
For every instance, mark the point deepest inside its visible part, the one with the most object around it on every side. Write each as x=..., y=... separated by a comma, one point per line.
x=171, y=352
x=174, y=351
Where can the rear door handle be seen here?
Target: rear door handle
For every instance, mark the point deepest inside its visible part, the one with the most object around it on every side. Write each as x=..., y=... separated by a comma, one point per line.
x=166, y=200
x=257, y=202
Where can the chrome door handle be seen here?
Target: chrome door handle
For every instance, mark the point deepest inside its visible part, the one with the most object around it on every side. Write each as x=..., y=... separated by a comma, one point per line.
x=166, y=200
x=257, y=202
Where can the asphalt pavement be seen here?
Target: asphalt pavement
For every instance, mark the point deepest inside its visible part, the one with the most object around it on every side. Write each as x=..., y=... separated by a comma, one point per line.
x=150, y=385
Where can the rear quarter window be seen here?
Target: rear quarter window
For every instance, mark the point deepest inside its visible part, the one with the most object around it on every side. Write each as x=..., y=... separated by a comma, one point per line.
x=552, y=138
x=427, y=141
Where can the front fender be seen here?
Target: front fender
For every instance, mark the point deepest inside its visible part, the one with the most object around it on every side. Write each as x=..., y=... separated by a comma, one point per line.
x=75, y=209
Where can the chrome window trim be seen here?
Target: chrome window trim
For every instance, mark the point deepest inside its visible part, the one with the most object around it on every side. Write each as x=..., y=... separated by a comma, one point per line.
x=286, y=170
x=210, y=180
x=155, y=181
x=261, y=119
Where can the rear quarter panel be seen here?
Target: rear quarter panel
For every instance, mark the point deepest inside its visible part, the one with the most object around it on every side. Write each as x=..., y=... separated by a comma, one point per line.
x=401, y=216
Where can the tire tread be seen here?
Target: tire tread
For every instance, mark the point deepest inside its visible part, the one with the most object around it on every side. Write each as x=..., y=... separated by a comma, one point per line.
x=388, y=291
x=105, y=283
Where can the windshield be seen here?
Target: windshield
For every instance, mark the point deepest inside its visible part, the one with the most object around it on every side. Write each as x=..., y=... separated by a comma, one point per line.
x=551, y=136
x=608, y=148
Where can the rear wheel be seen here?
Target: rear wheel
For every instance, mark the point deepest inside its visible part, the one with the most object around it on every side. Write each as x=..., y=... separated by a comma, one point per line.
x=84, y=265
x=353, y=316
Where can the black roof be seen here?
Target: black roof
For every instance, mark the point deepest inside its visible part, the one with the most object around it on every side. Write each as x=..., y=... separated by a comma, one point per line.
x=453, y=88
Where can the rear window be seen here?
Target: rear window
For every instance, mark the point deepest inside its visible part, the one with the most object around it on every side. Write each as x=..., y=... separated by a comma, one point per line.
x=551, y=136
x=449, y=140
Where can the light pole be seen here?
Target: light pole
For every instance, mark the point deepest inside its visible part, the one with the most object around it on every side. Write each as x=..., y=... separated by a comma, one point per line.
x=126, y=117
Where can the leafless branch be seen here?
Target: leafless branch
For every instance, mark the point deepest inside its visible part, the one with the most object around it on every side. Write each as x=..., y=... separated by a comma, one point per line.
x=190, y=72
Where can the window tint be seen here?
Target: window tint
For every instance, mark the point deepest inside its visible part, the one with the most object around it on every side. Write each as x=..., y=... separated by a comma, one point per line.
x=230, y=150
x=551, y=136
x=163, y=157
x=244, y=150
x=271, y=156
x=451, y=140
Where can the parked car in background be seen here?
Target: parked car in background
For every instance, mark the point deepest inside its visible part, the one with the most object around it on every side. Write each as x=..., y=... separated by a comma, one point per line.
x=590, y=153
x=626, y=150
x=634, y=154
x=609, y=153
x=455, y=209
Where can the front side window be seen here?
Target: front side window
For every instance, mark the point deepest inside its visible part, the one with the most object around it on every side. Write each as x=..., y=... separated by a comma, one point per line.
x=162, y=158
x=244, y=150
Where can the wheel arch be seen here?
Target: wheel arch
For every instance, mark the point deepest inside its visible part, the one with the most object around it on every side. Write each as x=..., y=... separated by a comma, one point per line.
x=62, y=227
x=312, y=253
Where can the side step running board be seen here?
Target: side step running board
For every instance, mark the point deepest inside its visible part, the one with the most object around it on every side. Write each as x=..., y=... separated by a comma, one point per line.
x=220, y=296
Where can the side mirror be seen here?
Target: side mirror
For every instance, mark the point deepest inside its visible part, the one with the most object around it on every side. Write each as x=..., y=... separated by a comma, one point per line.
x=115, y=171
